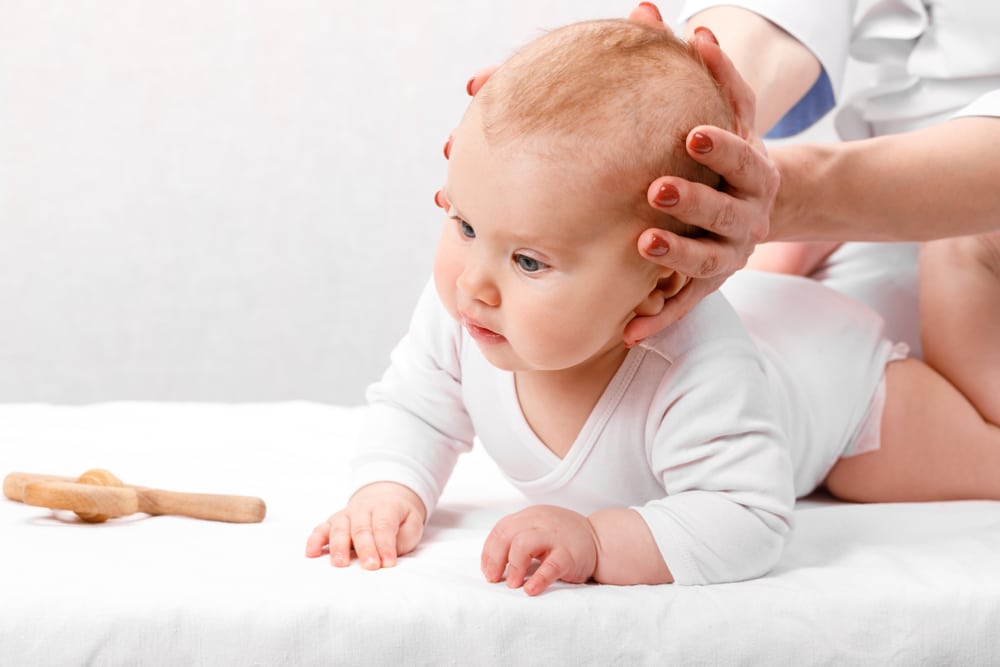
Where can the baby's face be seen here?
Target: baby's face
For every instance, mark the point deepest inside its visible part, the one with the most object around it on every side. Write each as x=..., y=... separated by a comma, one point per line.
x=539, y=266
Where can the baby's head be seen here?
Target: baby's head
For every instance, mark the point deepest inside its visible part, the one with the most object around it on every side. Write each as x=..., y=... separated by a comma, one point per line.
x=546, y=192
x=615, y=97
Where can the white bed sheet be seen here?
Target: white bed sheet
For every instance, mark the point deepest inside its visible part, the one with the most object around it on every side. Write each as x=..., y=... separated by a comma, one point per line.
x=881, y=584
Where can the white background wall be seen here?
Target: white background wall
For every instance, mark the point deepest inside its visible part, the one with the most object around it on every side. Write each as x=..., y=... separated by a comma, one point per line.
x=227, y=200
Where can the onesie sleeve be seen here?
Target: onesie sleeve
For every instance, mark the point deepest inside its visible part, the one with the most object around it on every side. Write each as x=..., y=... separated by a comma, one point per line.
x=721, y=457
x=415, y=424
x=986, y=105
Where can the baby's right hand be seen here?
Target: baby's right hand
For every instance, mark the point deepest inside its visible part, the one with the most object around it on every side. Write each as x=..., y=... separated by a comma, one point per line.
x=382, y=521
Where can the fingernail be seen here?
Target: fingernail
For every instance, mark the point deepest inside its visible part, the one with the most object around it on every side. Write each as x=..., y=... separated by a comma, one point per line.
x=702, y=31
x=371, y=563
x=388, y=562
x=653, y=8
x=438, y=199
x=339, y=558
x=701, y=143
x=667, y=195
x=468, y=86
x=658, y=247
x=447, y=149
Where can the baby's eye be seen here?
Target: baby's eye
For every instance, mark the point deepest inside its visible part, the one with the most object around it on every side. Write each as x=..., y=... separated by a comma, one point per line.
x=529, y=264
x=467, y=229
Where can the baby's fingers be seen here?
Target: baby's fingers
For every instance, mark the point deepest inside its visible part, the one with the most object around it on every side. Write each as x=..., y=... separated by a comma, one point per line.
x=519, y=559
x=318, y=539
x=363, y=537
x=340, y=540
x=552, y=569
x=385, y=532
x=494, y=558
x=334, y=532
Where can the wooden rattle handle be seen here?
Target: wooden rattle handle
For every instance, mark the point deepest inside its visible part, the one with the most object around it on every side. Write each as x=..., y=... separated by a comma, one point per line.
x=14, y=483
x=211, y=506
x=98, y=495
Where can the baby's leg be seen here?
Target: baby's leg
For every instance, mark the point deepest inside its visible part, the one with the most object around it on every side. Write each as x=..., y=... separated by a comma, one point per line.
x=797, y=258
x=960, y=316
x=935, y=445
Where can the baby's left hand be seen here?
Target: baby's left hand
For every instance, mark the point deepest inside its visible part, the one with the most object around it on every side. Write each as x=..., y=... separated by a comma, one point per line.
x=564, y=541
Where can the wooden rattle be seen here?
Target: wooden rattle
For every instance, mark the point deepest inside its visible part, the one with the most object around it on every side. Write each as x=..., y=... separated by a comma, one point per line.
x=97, y=496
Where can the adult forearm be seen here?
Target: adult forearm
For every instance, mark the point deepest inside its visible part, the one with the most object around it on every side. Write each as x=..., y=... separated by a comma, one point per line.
x=778, y=68
x=931, y=183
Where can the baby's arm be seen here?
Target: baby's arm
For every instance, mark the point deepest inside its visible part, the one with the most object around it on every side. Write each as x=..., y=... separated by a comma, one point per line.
x=611, y=547
x=382, y=521
x=410, y=435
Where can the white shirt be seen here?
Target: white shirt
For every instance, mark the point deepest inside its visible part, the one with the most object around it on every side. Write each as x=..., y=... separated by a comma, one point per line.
x=932, y=60
x=707, y=432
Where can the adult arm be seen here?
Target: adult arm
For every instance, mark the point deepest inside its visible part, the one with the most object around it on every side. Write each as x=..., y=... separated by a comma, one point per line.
x=931, y=183
x=776, y=65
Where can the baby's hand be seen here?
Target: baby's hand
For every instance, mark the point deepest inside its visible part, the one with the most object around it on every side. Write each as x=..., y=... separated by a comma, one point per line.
x=564, y=541
x=382, y=521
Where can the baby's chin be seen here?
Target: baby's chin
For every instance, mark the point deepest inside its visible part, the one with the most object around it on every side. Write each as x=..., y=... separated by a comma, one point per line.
x=508, y=360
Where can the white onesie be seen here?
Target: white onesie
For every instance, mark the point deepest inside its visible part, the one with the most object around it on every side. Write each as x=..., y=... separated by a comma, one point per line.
x=709, y=432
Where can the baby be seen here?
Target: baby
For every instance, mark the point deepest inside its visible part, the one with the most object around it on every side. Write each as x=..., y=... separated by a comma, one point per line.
x=678, y=459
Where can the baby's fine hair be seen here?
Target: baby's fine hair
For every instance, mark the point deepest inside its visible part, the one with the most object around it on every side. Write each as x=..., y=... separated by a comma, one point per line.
x=618, y=95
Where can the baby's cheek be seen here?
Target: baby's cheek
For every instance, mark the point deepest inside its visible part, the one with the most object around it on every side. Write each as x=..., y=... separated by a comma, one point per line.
x=445, y=275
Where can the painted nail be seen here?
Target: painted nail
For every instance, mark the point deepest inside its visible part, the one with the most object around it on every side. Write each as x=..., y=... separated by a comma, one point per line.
x=438, y=199
x=667, y=195
x=651, y=7
x=468, y=86
x=447, y=149
x=658, y=247
x=702, y=31
x=701, y=143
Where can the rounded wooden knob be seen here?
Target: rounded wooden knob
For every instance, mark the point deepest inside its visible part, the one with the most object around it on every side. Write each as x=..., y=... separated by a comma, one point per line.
x=97, y=477
x=97, y=495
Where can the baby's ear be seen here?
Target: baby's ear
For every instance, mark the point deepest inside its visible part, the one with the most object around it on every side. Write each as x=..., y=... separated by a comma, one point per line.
x=665, y=289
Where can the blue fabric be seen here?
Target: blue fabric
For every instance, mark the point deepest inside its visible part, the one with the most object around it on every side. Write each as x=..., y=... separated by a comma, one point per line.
x=813, y=106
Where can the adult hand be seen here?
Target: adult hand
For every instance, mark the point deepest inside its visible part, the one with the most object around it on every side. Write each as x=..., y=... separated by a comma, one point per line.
x=382, y=521
x=564, y=541
x=736, y=218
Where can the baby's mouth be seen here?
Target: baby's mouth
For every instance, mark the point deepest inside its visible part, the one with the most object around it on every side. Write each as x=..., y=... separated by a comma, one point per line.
x=480, y=333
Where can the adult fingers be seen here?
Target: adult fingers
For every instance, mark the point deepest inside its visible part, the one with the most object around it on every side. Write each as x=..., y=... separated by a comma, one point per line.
x=649, y=14
x=743, y=164
x=739, y=93
x=478, y=79
x=693, y=204
x=674, y=308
